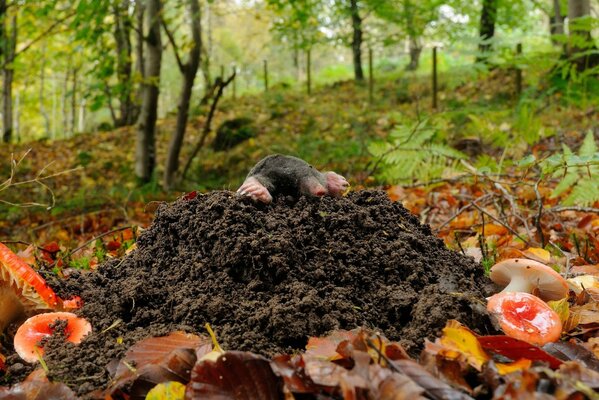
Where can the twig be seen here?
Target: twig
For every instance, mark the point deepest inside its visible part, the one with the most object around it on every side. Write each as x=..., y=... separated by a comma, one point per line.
x=573, y=208
x=122, y=228
x=221, y=86
x=461, y=210
x=21, y=242
x=171, y=39
x=500, y=222
x=539, y=213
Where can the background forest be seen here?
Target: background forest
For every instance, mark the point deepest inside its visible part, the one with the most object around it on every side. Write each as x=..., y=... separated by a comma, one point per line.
x=110, y=102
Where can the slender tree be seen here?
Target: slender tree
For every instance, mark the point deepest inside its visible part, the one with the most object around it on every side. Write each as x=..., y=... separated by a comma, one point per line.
x=122, y=37
x=189, y=71
x=356, y=43
x=581, y=49
x=145, y=157
x=9, y=37
x=488, y=18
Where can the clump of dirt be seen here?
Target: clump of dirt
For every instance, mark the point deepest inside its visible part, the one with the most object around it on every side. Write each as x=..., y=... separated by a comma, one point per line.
x=266, y=277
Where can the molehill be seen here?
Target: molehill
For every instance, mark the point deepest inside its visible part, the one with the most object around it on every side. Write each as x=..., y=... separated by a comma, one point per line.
x=266, y=277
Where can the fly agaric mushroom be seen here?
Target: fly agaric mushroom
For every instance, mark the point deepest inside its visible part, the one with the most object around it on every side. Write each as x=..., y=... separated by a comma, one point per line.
x=29, y=336
x=523, y=275
x=23, y=291
x=525, y=317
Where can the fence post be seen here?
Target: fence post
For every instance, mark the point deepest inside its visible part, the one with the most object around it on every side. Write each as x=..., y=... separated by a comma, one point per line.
x=370, y=77
x=435, y=78
x=265, y=76
x=234, y=82
x=309, y=71
x=518, y=70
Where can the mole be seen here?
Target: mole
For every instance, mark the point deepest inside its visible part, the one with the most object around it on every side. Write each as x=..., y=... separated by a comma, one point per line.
x=282, y=175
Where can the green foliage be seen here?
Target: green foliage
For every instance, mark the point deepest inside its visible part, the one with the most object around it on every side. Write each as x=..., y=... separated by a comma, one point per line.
x=578, y=174
x=81, y=263
x=414, y=153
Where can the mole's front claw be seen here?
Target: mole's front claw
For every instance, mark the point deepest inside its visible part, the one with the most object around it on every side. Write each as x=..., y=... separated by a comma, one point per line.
x=255, y=190
x=336, y=184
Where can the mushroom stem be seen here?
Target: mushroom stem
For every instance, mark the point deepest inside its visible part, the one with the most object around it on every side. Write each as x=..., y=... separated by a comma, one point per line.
x=519, y=284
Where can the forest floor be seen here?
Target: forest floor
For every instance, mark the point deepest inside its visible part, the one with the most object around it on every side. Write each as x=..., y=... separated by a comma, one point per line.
x=75, y=203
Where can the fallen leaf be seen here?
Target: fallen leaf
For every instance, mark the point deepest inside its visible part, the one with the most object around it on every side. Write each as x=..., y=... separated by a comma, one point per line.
x=515, y=349
x=167, y=391
x=234, y=375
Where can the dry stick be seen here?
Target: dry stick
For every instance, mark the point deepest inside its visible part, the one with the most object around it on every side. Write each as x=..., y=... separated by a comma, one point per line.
x=265, y=75
x=513, y=205
x=21, y=242
x=539, y=214
x=98, y=237
x=573, y=208
x=500, y=222
x=434, y=78
x=518, y=71
x=370, y=77
x=461, y=210
x=206, y=130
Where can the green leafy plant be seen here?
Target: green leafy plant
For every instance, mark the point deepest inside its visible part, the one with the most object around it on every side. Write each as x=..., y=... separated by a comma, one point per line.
x=578, y=174
x=413, y=153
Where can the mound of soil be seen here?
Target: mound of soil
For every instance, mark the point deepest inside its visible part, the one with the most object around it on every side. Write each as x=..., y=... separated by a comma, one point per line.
x=266, y=277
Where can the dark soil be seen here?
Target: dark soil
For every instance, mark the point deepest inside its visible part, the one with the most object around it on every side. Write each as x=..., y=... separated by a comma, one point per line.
x=266, y=277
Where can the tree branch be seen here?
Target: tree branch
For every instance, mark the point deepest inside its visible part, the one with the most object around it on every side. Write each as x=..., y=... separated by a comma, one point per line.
x=44, y=33
x=174, y=44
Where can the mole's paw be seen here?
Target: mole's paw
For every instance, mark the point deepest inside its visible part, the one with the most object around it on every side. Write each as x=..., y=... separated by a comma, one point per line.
x=255, y=190
x=336, y=184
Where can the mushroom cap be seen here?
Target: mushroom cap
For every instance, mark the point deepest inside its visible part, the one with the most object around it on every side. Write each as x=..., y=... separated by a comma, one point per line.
x=525, y=317
x=31, y=332
x=549, y=284
x=28, y=285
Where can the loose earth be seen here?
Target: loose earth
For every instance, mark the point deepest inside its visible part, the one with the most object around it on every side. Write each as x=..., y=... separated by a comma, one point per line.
x=266, y=277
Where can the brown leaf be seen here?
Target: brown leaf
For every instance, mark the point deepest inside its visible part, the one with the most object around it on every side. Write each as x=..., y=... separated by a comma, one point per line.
x=569, y=351
x=37, y=387
x=388, y=385
x=156, y=360
x=577, y=372
x=234, y=375
x=434, y=387
x=291, y=369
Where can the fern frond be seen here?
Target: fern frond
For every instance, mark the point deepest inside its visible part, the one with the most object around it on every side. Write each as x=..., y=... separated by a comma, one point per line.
x=585, y=193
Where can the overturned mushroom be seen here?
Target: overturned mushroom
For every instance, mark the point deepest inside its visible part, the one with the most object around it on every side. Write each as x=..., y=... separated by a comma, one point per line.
x=23, y=291
x=523, y=275
x=525, y=317
x=29, y=337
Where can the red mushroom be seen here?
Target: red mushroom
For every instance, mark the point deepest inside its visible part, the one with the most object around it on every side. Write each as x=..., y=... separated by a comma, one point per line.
x=29, y=336
x=523, y=275
x=23, y=291
x=525, y=317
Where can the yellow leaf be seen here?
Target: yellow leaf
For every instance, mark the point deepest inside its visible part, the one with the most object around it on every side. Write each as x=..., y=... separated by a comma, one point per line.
x=167, y=391
x=561, y=307
x=538, y=254
x=519, y=365
x=462, y=340
x=584, y=281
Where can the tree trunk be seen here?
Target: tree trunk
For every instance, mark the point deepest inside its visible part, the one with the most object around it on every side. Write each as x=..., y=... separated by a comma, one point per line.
x=63, y=103
x=488, y=16
x=9, y=47
x=139, y=57
x=43, y=111
x=556, y=22
x=356, y=44
x=581, y=41
x=189, y=72
x=73, y=115
x=415, y=50
x=145, y=158
x=122, y=36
